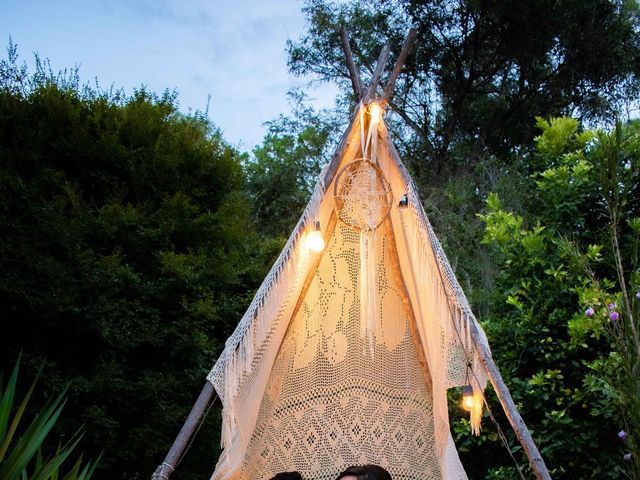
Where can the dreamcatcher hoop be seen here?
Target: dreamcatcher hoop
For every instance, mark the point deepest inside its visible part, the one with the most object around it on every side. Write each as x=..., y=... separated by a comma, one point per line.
x=362, y=195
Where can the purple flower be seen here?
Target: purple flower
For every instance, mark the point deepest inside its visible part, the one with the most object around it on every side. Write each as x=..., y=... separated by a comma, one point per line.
x=589, y=312
x=622, y=435
x=627, y=457
x=611, y=306
x=638, y=294
x=614, y=316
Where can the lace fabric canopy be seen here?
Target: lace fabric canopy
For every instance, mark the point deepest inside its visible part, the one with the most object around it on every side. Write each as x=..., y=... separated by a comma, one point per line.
x=345, y=356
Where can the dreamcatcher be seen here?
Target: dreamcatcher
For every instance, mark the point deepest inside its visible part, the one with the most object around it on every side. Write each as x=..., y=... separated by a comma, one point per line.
x=363, y=200
x=362, y=195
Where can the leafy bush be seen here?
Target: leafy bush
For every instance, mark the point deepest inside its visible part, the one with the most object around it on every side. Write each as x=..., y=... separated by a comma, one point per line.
x=128, y=253
x=574, y=377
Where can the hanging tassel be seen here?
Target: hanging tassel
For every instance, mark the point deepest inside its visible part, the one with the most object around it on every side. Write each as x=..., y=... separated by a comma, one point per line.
x=364, y=313
x=368, y=288
x=368, y=267
x=476, y=411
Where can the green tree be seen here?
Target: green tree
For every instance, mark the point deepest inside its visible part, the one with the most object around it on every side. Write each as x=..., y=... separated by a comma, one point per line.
x=283, y=170
x=562, y=365
x=481, y=71
x=128, y=253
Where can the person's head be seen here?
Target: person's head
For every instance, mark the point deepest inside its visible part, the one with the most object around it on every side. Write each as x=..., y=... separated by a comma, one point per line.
x=287, y=476
x=364, y=472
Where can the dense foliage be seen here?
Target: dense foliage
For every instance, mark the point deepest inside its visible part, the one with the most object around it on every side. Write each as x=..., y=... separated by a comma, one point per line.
x=562, y=366
x=128, y=254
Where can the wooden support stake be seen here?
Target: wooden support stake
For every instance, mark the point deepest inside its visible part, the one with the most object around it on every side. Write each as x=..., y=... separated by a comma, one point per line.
x=517, y=423
x=356, y=83
x=402, y=58
x=166, y=468
x=382, y=61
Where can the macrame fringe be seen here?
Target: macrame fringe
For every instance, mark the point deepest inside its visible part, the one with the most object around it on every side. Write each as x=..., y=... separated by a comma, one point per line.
x=476, y=411
x=440, y=294
x=449, y=292
x=285, y=277
x=368, y=267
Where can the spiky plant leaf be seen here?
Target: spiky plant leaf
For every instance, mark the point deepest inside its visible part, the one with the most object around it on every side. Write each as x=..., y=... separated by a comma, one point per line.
x=24, y=459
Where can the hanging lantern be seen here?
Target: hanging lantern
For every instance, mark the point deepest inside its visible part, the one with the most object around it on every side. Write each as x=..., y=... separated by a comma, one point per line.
x=467, y=398
x=315, y=242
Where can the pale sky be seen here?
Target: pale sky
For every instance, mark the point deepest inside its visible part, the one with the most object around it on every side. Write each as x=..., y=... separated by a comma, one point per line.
x=231, y=50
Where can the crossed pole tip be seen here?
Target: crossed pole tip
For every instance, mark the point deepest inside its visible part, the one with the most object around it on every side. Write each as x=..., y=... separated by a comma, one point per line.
x=367, y=95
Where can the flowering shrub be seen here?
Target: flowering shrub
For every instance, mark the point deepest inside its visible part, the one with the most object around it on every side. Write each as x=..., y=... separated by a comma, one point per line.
x=563, y=326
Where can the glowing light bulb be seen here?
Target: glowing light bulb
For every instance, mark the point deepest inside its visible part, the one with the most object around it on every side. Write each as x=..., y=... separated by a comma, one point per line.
x=467, y=398
x=375, y=110
x=315, y=242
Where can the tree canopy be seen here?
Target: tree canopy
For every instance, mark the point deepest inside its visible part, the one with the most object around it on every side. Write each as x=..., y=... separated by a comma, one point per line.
x=482, y=71
x=128, y=253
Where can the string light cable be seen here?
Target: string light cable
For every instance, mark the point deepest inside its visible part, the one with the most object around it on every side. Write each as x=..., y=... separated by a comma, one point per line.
x=200, y=423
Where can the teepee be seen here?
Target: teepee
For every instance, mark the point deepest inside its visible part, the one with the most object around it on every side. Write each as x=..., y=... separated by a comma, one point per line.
x=347, y=351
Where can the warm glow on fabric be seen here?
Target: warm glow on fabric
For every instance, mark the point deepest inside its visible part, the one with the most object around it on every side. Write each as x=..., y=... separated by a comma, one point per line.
x=375, y=110
x=315, y=242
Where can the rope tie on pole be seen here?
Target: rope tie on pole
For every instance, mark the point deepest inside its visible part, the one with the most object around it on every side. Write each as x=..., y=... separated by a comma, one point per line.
x=162, y=472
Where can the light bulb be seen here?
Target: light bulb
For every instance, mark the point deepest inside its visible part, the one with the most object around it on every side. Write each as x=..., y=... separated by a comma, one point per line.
x=315, y=242
x=375, y=110
x=467, y=398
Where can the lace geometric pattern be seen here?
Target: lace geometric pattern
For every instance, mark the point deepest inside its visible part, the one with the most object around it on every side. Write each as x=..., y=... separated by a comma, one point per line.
x=303, y=389
x=330, y=401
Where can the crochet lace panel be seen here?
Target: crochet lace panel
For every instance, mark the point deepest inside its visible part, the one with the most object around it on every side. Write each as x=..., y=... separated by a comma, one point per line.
x=330, y=402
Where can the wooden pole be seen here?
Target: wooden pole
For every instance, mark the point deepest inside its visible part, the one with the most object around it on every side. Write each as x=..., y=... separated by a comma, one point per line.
x=402, y=58
x=166, y=468
x=382, y=61
x=356, y=83
x=517, y=423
